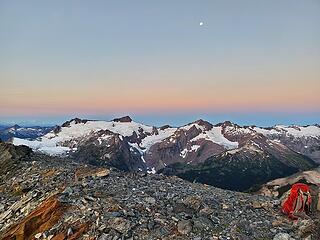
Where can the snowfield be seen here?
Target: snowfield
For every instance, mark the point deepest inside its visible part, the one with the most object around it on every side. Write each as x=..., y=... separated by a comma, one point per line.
x=45, y=145
x=148, y=141
x=215, y=135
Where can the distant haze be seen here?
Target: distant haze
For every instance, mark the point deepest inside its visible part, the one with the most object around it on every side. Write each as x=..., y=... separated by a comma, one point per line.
x=158, y=119
x=252, y=62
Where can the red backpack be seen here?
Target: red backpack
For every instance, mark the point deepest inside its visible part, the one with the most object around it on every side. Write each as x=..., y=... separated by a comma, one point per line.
x=299, y=200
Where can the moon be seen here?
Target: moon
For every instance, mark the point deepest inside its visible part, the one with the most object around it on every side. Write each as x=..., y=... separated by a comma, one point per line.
x=201, y=23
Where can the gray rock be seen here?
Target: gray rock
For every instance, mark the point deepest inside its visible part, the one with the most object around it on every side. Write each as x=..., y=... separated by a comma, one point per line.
x=193, y=202
x=69, y=232
x=202, y=224
x=68, y=191
x=103, y=236
x=150, y=200
x=184, y=227
x=282, y=236
x=120, y=224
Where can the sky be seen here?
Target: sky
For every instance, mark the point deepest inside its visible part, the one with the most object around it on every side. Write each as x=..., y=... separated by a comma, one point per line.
x=252, y=62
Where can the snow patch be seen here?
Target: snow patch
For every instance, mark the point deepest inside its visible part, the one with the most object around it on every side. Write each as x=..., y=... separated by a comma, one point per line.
x=152, y=171
x=187, y=127
x=141, y=151
x=150, y=140
x=185, y=151
x=195, y=147
x=235, y=130
x=103, y=138
x=215, y=135
x=46, y=146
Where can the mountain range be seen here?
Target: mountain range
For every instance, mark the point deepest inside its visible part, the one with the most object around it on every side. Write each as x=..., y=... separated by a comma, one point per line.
x=226, y=155
x=8, y=132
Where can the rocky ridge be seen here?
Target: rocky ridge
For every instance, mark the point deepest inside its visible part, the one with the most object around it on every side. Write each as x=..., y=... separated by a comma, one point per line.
x=50, y=198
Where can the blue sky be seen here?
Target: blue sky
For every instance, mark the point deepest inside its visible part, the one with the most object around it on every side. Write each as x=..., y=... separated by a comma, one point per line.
x=253, y=62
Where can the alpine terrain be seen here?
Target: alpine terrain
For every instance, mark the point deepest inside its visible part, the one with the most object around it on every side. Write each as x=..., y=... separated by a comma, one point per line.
x=225, y=155
x=53, y=198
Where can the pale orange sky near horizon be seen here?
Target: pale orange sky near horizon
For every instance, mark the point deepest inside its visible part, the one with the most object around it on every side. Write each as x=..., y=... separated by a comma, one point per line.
x=291, y=91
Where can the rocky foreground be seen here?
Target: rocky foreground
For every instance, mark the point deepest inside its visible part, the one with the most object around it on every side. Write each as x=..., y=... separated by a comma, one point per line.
x=43, y=197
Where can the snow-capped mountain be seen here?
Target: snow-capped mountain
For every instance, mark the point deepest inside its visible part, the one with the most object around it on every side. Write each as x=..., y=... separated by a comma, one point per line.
x=166, y=144
x=17, y=131
x=198, y=148
x=256, y=160
x=302, y=139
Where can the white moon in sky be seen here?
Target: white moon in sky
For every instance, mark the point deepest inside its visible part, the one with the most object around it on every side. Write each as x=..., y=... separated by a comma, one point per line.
x=201, y=23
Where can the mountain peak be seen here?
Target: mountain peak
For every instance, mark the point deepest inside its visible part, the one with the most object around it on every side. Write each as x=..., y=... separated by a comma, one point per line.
x=75, y=120
x=227, y=124
x=165, y=127
x=123, y=119
x=16, y=126
x=204, y=123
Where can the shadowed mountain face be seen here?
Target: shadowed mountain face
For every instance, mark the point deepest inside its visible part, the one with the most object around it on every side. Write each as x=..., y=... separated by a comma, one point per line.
x=11, y=156
x=118, y=152
x=225, y=155
x=241, y=171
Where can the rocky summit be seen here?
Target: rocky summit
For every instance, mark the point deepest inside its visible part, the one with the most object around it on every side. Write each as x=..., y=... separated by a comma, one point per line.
x=46, y=197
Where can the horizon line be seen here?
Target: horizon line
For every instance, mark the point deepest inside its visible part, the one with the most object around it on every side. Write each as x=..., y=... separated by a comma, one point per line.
x=239, y=118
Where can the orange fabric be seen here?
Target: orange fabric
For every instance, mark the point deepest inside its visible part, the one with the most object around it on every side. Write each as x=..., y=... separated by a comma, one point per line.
x=290, y=203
